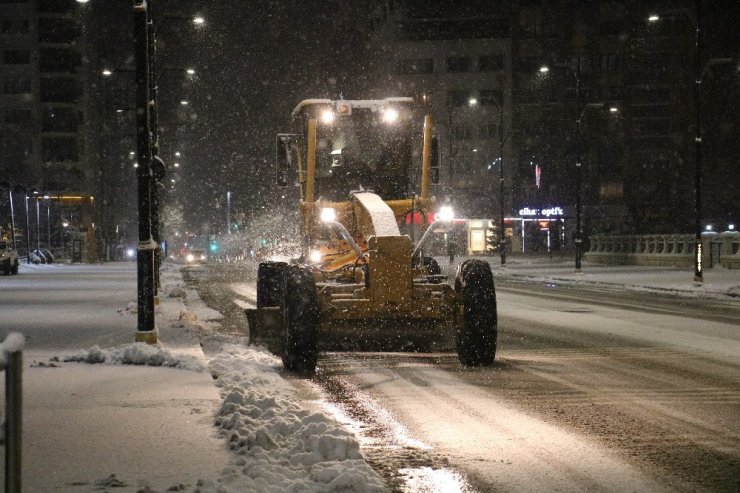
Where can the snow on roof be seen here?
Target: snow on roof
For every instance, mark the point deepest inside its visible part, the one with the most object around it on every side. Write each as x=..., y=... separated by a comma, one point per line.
x=354, y=103
x=384, y=221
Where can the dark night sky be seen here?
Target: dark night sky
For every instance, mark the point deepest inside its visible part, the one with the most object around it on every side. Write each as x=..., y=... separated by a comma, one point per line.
x=255, y=64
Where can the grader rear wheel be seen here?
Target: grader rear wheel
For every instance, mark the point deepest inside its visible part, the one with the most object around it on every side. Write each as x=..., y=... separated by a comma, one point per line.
x=301, y=318
x=477, y=329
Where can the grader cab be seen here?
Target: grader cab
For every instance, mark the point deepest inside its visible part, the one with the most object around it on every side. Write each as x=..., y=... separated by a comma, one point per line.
x=360, y=277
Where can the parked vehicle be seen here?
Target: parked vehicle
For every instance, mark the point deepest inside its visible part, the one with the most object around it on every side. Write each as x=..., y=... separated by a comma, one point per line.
x=8, y=258
x=42, y=258
x=48, y=255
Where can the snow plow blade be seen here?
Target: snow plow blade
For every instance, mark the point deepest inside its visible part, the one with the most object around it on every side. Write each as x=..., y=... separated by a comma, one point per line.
x=265, y=326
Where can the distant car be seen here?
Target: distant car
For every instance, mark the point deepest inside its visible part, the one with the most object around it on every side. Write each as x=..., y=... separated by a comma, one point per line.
x=8, y=258
x=195, y=257
x=35, y=258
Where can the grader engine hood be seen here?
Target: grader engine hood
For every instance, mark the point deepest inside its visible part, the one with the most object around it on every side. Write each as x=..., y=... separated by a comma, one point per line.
x=389, y=252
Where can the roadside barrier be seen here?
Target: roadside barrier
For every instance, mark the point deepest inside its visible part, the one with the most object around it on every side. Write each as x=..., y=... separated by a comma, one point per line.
x=665, y=249
x=11, y=360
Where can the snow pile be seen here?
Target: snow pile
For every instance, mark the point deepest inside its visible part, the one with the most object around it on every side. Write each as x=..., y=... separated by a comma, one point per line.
x=13, y=343
x=137, y=353
x=381, y=215
x=279, y=445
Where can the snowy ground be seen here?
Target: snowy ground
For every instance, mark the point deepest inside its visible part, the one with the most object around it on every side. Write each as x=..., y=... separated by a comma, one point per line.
x=718, y=281
x=278, y=444
x=276, y=440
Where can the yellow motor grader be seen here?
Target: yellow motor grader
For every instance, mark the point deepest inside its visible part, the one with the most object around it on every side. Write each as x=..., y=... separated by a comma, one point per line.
x=359, y=276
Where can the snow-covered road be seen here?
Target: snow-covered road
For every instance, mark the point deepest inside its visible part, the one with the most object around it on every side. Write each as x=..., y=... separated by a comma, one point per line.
x=592, y=390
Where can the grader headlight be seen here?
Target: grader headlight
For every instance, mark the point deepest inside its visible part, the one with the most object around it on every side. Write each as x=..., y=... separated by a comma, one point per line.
x=328, y=215
x=390, y=115
x=327, y=116
x=445, y=214
x=314, y=256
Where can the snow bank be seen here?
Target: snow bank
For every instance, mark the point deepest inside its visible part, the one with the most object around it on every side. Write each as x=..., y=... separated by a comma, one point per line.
x=279, y=445
x=136, y=353
x=13, y=343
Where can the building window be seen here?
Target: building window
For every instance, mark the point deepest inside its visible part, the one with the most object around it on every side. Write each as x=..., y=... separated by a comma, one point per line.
x=490, y=97
x=611, y=191
x=459, y=64
x=59, y=60
x=529, y=64
x=16, y=57
x=461, y=131
x=611, y=93
x=531, y=29
x=20, y=118
x=409, y=66
x=611, y=62
x=14, y=26
x=585, y=63
x=488, y=131
x=458, y=97
x=59, y=148
x=490, y=63
x=59, y=90
x=17, y=86
x=59, y=120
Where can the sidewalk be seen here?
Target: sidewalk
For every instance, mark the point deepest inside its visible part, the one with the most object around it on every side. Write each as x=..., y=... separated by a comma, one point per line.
x=141, y=421
x=718, y=281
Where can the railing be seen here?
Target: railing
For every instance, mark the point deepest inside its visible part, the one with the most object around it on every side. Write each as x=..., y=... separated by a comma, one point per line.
x=11, y=360
x=665, y=249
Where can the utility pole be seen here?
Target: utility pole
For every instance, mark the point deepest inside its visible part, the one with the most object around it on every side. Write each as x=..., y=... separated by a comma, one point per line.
x=579, y=159
x=146, y=246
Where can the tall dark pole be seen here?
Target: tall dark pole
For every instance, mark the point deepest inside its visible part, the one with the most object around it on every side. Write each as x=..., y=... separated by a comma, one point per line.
x=579, y=158
x=12, y=219
x=38, y=225
x=502, y=238
x=28, y=232
x=146, y=245
x=698, y=274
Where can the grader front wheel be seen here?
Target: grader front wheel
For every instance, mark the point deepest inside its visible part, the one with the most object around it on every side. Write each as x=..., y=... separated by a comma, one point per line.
x=477, y=329
x=301, y=319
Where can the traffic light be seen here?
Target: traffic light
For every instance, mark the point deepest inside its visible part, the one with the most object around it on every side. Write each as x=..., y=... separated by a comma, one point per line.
x=214, y=247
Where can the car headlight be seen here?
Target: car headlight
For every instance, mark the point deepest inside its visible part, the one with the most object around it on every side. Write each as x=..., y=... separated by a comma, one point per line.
x=189, y=257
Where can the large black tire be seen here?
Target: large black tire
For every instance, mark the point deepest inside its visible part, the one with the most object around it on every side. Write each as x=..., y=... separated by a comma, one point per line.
x=301, y=319
x=270, y=283
x=477, y=329
x=6, y=268
x=14, y=269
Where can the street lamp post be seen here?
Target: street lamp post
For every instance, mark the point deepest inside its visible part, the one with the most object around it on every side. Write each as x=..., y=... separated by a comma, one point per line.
x=580, y=112
x=28, y=232
x=578, y=240
x=146, y=244
x=502, y=138
x=699, y=73
x=228, y=213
